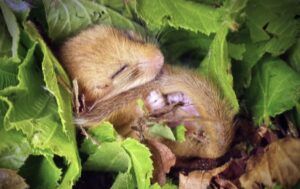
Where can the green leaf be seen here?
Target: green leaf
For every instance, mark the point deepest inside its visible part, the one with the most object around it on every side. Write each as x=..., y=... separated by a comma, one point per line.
x=168, y=185
x=179, y=14
x=141, y=162
x=104, y=132
x=180, y=133
x=274, y=89
x=52, y=72
x=63, y=133
x=236, y=51
x=296, y=115
x=155, y=186
x=109, y=157
x=41, y=172
x=33, y=111
x=130, y=158
x=294, y=56
x=68, y=17
x=124, y=181
x=13, y=29
x=176, y=43
x=65, y=17
x=285, y=31
x=29, y=82
x=162, y=131
x=273, y=20
x=242, y=70
x=217, y=66
x=5, y=39
x=125, y=8
x=14, y=147
x=234, y=8
x=8, y=73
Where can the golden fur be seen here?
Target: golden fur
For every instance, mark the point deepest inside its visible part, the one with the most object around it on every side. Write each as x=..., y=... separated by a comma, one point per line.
x=216, y=116
x=94, y=56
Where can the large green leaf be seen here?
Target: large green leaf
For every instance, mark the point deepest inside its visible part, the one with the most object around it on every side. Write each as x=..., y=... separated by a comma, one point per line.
x=217, y=66
x=12, y=28
x=242, y=70
x=14, y=147
x=286, y=31
x=125, y=8
x=273, y=20
x=41, y=172
x=177, y=43
x=273, y=28
x=104, y=132
x=8, y=73
x=51, y=71
x=236, y=51
x=124, y=181
x=274, y=89
x=294, y=56
x=141, y=162
x=65, y=17
x=179, y=14
x=5, y=39
x=33, y=111
x=109, y=156
x=129, y=157
x=296, y=115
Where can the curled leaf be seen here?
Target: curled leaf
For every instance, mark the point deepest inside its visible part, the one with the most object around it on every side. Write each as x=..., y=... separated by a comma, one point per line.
x=163, y=159
x=279, y=164
x=199, y=179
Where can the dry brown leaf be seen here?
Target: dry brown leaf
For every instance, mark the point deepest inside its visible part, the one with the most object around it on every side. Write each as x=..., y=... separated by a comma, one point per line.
x=9, y=179
x=279, y=163
x=199, y=179
x=163, y=159
x=224, y=184
x=191, y=164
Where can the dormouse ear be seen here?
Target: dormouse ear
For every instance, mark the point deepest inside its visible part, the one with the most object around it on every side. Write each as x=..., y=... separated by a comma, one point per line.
x=134, y=36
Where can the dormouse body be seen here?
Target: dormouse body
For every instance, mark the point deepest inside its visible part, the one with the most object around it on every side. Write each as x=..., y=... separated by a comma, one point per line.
x=207, y=117
x=106, y=61
x=116, y=68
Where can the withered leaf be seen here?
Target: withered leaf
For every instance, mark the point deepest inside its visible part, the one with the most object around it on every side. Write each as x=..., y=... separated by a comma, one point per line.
x=163, y=159
x=199, y=179
x=224, y=183
x=280, y=163
x=9, y=179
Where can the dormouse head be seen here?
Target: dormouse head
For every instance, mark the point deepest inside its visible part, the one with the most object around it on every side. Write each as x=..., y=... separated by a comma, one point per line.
x=107, y=61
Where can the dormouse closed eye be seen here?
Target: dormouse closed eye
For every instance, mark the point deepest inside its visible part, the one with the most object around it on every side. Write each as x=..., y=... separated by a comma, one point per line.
x=119, y=71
